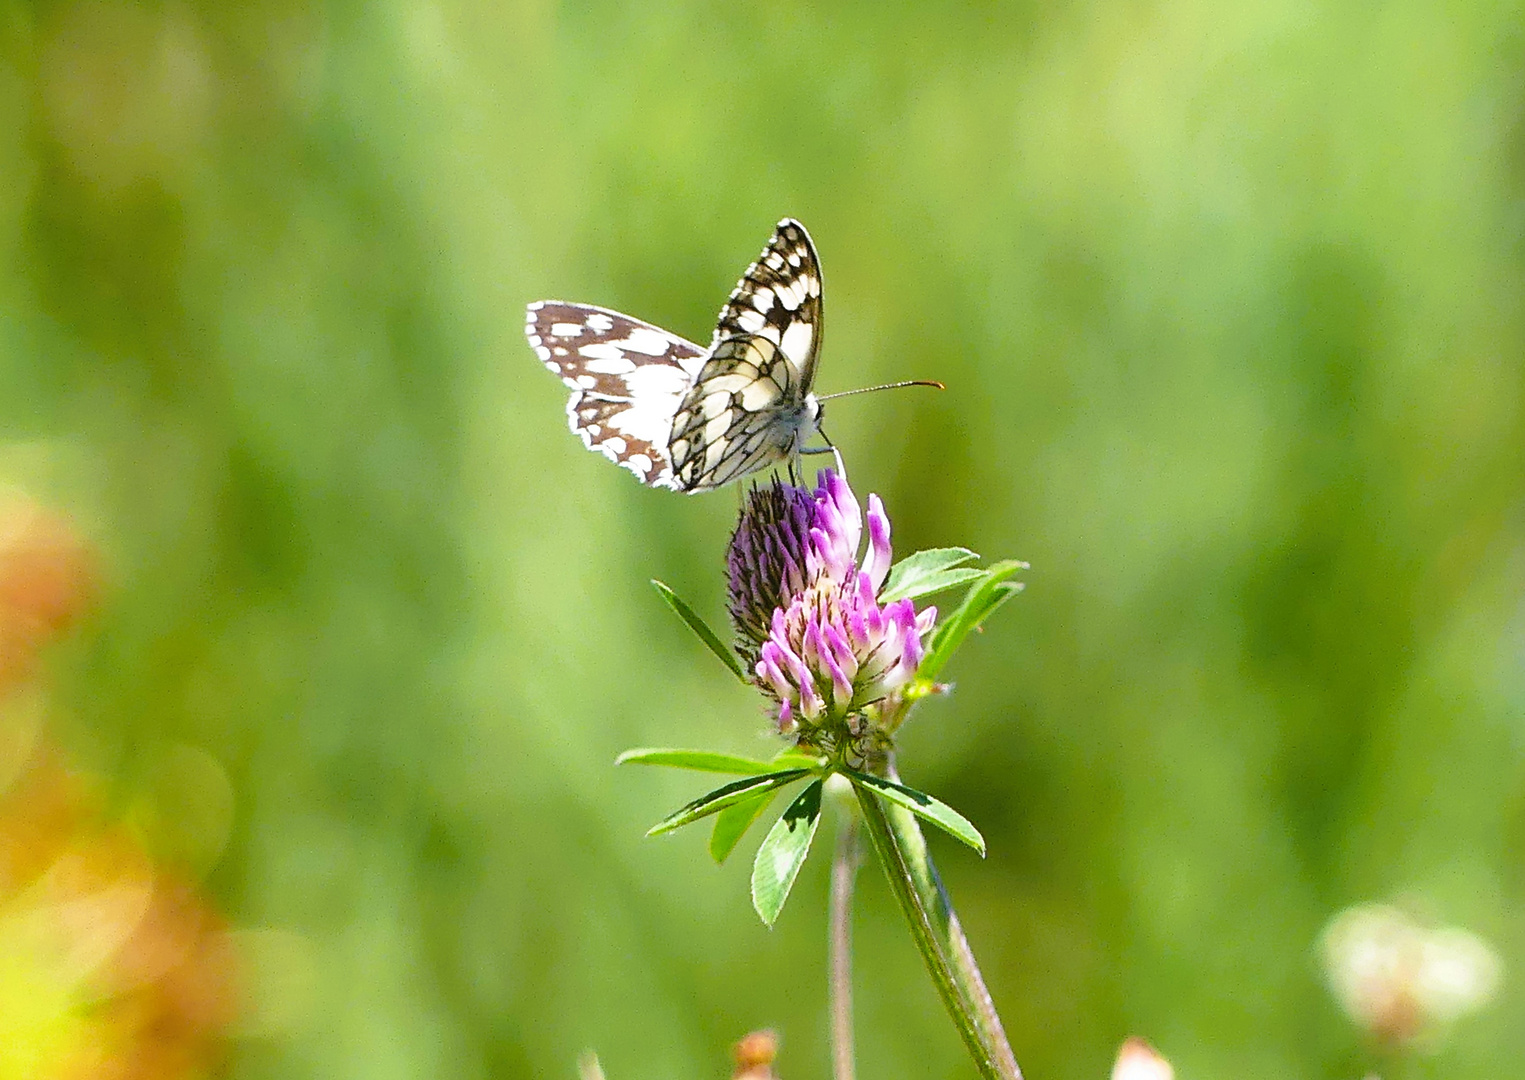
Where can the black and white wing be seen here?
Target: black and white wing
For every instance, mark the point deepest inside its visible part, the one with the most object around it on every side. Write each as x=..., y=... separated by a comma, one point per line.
x=750, y=403
x=627, y=380
x=779, y=298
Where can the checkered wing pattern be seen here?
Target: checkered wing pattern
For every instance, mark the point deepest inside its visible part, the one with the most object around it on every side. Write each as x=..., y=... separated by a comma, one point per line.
x=627, y=379
x=750, y=405
x=683, y=417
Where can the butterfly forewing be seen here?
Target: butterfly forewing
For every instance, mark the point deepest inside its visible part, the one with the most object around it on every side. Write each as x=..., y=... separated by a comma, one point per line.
x=627, y=378
x=779, y=298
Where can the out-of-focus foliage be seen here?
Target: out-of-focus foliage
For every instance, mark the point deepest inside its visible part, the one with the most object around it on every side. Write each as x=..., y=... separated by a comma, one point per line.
x=1228, y=300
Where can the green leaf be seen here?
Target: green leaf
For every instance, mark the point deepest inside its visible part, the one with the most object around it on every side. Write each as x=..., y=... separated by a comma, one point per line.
x=941, y=581
x=702, y=761
x=928, y=572
x=984, y=596
x=697, y=625
x=732, y=823
x=923, y=806
x=783, y=852
x=795, y=758
x=729, y=795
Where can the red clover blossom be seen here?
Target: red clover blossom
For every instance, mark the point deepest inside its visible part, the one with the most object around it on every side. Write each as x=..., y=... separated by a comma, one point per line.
x=805, y=604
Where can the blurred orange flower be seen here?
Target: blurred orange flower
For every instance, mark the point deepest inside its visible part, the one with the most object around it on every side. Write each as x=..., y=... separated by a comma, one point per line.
x=46, y=580
x=754, y=1055
x=111, y=968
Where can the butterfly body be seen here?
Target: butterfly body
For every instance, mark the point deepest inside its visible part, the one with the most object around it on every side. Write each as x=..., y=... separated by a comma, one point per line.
x=684, y=417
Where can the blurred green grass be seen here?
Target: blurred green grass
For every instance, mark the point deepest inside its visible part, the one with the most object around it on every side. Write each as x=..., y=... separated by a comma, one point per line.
x=1227, y=300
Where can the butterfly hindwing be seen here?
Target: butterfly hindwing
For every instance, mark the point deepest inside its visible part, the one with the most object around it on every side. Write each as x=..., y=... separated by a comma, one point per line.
x=627, y=378
x=737, y=417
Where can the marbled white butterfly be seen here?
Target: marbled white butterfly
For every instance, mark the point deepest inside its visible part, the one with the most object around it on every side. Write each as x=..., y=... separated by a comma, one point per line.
x=684, y=417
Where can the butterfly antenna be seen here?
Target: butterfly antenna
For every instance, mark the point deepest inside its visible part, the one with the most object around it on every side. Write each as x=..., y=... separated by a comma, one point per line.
x=883, y=386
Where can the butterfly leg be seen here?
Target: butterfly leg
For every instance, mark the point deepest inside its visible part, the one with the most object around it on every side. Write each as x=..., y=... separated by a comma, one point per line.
x=829, y=448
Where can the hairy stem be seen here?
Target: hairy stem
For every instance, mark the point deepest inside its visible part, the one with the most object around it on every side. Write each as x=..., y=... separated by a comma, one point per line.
x=902, y=850
x=844, y=869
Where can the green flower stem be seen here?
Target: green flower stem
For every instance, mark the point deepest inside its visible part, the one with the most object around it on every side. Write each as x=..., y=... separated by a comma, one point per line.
x=844, y=869
x=935, y=928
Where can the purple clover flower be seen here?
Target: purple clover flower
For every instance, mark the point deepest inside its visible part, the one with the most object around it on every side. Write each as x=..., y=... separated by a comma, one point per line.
x=805, y=605
x=767, y=562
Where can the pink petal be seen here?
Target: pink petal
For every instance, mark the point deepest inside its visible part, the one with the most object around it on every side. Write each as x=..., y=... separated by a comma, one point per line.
x=876, y=562
x=841, y=649
x=811, y=703
x=785, y=717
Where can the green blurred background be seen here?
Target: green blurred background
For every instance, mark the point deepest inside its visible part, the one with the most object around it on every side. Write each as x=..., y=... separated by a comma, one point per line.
x=1228, y=299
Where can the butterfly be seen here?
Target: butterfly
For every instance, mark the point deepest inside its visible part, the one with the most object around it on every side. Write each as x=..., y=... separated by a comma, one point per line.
x=689, y=418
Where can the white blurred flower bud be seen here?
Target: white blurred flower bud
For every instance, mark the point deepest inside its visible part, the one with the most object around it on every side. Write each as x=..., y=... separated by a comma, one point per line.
x=1138, y=1061
x=1403, y=981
